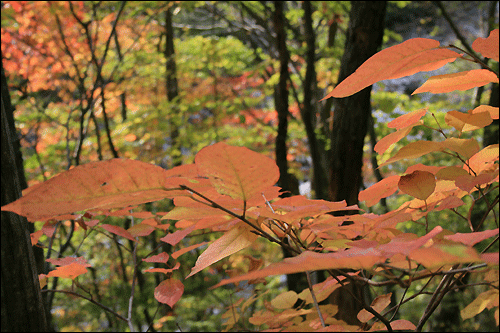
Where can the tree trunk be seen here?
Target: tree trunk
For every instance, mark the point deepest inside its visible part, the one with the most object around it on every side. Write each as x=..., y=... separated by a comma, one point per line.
x=351, y=116
x=22, y=305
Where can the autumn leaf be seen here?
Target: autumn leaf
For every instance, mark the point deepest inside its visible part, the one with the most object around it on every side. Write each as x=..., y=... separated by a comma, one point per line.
x=414, y=150
x=407, y=119
x=236, y=239
x=378, y=304
x=418, y=184
x=169, y=291
x=377, y=191
x=97, y=185
x=237, y=171
x=70, y=271
x=457, y=81
x=465, y=122
x=472, y=238
x=285, y=300
x=118, y=231
x=161, y=257
x=383, y=144
x=410, y=57
x=488, y=47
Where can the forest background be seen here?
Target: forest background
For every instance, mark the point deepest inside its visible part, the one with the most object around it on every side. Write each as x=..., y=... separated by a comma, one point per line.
x=158, y=81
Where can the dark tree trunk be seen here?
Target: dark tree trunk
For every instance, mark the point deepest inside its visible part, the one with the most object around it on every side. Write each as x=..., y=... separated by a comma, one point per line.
x=308, y=110
x=351, y=116
x=22, y=304
x=172, y=86
x=281, y=97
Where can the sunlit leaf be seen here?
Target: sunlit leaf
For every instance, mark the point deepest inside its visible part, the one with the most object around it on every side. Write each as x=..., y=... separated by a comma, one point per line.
x=237, y=171
x=96, y=185
x=414, y=150
x=169, y=291
x=236, y=239
x=457, y=81
x=465, y=122
x=70, y=271
x=383, y=144
x=488, y=47
x=377, y=191
x=407, y=119
x=472, y=238
x=410, y=57
x=418, y=184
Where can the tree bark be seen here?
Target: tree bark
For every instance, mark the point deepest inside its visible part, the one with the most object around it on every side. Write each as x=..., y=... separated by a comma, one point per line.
x=351, y=116
x=22, y=305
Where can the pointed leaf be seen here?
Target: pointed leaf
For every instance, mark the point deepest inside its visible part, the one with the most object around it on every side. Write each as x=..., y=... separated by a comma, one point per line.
x=378, y=304
x=285, y=300
x=118, y=231
x=410, y=57
x=407, y=119
x=96, y=185
x=457, y=81
x=169, y=291
x=70, y=271
x=472, y=238
x=383, y=144
x=414, y=150
x=418, y=184
x=488, y=47
x=231, y=242
x=162, y=257
x=237, y=171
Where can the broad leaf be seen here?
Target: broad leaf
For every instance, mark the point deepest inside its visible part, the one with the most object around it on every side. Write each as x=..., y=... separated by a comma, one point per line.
x=457, y=81
x=488, y=47
x=410, y=57
x=237, y=171
x=378, y=304
x=231, y=242
x=407, y=119
x=97, y=185
x=169, y=291
x=377, y=191
x=414, y=150
x=383, y=144
x=418, y=184
x=470, y=121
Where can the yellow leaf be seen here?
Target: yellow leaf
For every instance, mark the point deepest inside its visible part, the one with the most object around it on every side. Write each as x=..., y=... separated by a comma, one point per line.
x=231, y=242
x=483, y=301
x=465, y=122
x=285, y=300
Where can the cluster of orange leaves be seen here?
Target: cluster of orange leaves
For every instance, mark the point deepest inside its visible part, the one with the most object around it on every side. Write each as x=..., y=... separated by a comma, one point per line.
x=232, y=190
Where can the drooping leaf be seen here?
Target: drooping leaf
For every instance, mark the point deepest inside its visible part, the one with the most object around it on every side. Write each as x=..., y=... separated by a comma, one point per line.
x=410, y=57
x=472, y=238
x=237, y=171
x=418, y=184
x=118, y=231
x=383, y=144
x=70, y=271
x=488, y=47
x=97, y=185
x=457, y=81
x=169, y=291
x=236, y=239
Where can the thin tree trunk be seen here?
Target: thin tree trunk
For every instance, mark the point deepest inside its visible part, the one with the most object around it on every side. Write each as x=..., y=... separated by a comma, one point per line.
x=351, y=116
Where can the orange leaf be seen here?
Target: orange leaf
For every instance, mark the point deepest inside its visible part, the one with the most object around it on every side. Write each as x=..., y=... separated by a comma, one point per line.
x=177, y=236
x=140, y=230
x=472, y=238
x=378, y=304
x=237, y=171
x=118, y=231
x=465, y=147
x=465, y=122
x=479, y=161
x=383, y=144
x=410, y=57
x=169, y=291
x=457, y=81
x=493, y=111
x=414, y=150
x=97, y=185
x=70, y=271
x=418, y=184
x=377, y=191
x=238, y=238
x=488, y=47
x=407, y=119
x=177, y=254
x=162, y=257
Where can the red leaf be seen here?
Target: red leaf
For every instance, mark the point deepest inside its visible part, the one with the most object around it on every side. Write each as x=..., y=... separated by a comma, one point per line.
x=473, y=237
x=118, y=231
x=169, y=291
x=162, y=257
